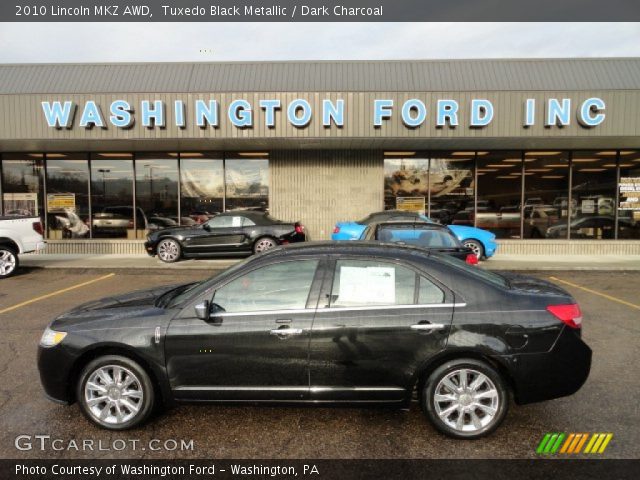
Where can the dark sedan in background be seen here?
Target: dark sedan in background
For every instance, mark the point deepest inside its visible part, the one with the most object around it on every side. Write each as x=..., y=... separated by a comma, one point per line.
x=430, y=236
x=349, y=322
x=237, y=233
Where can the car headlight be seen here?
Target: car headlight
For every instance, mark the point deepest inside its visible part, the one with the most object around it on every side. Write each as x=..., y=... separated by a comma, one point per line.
x=51, y=338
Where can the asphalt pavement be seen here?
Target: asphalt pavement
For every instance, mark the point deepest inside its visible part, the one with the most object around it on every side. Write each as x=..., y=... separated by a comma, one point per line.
x=608, y=402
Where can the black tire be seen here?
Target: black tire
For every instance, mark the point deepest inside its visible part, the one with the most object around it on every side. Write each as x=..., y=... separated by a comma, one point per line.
x=169, y=250
x=143, y=384
x=9, y=261
x=435, y=383
x=476, y=246
x=263, y=244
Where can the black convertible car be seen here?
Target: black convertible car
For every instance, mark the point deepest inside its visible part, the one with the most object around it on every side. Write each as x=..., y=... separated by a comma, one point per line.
x=237, y=233
x=354, y=322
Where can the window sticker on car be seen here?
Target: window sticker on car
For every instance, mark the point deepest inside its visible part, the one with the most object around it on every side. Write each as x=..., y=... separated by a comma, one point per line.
x=236, y=222
x=375, y=285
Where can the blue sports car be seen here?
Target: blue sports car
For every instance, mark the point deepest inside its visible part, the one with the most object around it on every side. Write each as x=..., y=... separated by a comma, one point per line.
x=482, y=242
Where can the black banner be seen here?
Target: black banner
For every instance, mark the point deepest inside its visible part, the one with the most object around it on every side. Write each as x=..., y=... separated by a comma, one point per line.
x=319, y=469
x=319, y=11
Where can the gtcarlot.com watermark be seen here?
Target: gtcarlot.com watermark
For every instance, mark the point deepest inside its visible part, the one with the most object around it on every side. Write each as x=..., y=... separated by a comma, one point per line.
x=49, y=443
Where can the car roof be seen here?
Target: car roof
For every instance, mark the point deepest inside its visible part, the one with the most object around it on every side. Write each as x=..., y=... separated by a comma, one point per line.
x=355, y=247
x=244, y=213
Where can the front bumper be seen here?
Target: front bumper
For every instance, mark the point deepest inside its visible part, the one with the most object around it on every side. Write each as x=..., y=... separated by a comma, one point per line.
x=557, y=373
x=490, y=248
x=55, y=365
x=150, y=248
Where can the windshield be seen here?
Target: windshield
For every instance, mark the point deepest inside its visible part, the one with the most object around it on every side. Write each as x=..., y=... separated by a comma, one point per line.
x=420, y=237
x=477, y=272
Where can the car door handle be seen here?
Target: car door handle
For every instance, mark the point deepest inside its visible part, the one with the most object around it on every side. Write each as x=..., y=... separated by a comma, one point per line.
x=286, y=331
x=428, y=326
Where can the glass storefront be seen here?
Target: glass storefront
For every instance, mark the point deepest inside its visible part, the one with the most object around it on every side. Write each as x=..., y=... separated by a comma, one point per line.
x=588, y=195
x=126, y=195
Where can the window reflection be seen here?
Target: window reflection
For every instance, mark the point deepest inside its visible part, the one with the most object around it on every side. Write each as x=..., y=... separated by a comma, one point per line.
x=593, y=196
x=247, y=184
x=156, y=191
x=202, y=187
x=112, y=196
x=546, y=207
x=67, y=196
x=499, y=194
x=406, y=183
x=451, y=185
x=629, y=206
x=22, y=190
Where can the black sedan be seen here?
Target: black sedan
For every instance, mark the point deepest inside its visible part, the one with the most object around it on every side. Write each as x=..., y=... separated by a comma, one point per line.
x=356, y=322
x=430, y=236
x=237, y=233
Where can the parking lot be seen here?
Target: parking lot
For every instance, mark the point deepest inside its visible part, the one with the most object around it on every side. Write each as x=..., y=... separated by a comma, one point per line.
x=29, y=301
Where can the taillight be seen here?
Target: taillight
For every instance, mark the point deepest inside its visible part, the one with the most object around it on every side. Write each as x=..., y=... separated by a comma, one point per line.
x=299, y=228
x=130, y=225
x=37, y=227
x=471, y=259
x=569, y=314
x=336, y=229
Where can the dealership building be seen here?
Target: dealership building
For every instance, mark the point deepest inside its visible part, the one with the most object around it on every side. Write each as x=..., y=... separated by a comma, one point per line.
x=543, y=152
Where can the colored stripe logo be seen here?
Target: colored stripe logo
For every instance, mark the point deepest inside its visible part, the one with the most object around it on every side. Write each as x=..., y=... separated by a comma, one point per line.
x=573, y=443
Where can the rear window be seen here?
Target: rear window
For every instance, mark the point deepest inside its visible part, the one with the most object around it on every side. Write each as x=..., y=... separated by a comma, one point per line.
x=479, y=273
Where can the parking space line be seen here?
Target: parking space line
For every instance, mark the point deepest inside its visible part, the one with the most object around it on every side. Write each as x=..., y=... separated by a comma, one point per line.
x=57, y=292
x=595, y=292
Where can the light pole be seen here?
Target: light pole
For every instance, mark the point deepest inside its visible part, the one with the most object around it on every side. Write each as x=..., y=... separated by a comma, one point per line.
x=104, y=171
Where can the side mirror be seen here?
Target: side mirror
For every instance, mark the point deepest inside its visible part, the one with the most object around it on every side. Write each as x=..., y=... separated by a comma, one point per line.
x=206, y=227
x=203, y=310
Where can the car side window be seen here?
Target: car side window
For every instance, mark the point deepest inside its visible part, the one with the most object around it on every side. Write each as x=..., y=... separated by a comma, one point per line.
x=429, y=292
x=225, y=221
x=281, y=286
x=363, y=283
x=247, y=222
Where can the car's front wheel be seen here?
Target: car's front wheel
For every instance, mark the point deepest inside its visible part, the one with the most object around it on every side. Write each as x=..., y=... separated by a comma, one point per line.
x=476, y=247
x=465, y=399
x=169, y=250
x=115, y=392
x=8, y=262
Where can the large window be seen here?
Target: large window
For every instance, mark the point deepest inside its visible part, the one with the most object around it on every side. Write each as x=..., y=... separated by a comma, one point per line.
x=157, y=190
x=406, y=182
x=546, y=188
x=247, y=182
x=202, y=188
x=629, y=201
x=593, y=196
x=23, y=184
x=112, y=196
x=451, y=185
x=67, y=195
x=499, y=194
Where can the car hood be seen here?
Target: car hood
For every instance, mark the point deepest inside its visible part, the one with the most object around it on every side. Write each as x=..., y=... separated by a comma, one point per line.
x=129, y=305
x=525, y=283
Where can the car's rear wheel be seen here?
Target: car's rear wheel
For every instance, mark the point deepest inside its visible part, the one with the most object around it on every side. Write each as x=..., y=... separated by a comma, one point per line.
x=169, y=250
x=476, y=247
x=465, y=398
x=115, y=392
x=263, y=244
x=8, y=262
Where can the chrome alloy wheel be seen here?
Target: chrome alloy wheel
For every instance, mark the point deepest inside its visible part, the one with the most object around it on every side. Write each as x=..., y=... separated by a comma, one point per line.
x=263, y=245
x=113, y=394
x=7, y=262
x=466, y=400
x=168, y=250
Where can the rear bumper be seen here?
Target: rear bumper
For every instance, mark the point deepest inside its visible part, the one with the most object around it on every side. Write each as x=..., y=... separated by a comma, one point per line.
x=553, y=374
x=33, y=245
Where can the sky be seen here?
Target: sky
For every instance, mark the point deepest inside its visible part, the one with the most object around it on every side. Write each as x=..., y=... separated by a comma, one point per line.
x=208, y=42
